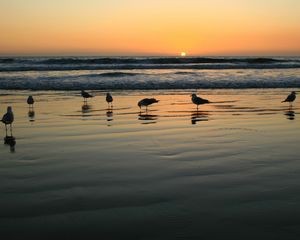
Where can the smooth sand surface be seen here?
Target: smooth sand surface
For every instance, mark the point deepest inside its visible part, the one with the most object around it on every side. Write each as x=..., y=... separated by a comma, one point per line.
x=230, y=170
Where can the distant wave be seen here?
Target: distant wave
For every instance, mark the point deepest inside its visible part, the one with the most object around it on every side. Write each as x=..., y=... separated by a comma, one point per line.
x=183, y=73
x=170, y=60
x=7, y=60
x=145, y=60
x=145, y=66
x=123, y=63
x=112, y=74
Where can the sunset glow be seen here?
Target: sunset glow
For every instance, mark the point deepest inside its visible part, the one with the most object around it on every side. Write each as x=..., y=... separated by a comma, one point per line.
x=140, y=27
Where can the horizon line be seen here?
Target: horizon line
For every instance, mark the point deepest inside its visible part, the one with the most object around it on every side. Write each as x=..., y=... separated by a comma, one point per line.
x=148, y=55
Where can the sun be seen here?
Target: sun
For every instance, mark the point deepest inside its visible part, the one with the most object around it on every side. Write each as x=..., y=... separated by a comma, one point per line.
x=182, y=54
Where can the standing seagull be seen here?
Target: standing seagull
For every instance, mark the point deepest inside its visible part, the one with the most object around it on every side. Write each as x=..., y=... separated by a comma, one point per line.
x=30, y=101
x=290, y=98
x=198, y=100
x=86, y=95
x=8, y=119
x=109, y=99
x=146, y=102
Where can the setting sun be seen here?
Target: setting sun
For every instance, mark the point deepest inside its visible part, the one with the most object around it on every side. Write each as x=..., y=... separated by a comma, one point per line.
x=182, y=54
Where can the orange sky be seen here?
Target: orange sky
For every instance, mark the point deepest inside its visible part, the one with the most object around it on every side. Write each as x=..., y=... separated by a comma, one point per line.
x=144, y=27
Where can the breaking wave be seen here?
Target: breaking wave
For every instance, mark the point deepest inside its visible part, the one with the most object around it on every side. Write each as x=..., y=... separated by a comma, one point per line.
x=151, y=79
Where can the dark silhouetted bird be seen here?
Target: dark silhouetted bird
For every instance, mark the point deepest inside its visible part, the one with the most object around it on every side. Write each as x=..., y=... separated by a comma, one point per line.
x=146, y=102
x=109, y=99
x=198, y=100
x=290, y=98
x=8, y=118
x=86, y=95
x=30, y=101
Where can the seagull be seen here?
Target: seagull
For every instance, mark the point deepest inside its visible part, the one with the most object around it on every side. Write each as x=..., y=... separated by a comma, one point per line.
x=86, y=95
x=8, y=118
x=146, y=102
x=198, y=100
x=30, y=101
x=290, y=98
x=109, y=99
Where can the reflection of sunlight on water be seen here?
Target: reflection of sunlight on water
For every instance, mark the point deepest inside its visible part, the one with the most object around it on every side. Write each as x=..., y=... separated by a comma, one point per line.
x=176, y=105
x=172, y=108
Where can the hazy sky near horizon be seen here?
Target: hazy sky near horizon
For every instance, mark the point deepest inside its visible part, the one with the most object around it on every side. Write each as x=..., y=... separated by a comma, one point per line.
x=156, y=27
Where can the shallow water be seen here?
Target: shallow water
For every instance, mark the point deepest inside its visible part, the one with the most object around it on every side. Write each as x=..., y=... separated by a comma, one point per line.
x=230, y=169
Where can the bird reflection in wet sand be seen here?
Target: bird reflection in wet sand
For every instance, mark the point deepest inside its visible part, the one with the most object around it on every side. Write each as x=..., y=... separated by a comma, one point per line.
x=11, y=142
x=290, y=114
x=109, y=116
x=31, y=115
x=148, y=118
x=86, y=108
x=198, y=116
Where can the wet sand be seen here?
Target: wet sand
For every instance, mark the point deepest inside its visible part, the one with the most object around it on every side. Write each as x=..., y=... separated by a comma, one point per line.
x=229, y=170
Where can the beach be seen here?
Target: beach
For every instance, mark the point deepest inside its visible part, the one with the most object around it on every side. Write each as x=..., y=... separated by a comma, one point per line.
x=229, y=170
x=149, y=120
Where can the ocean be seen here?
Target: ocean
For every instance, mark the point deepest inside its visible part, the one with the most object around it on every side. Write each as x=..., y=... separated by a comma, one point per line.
x=148, y=73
